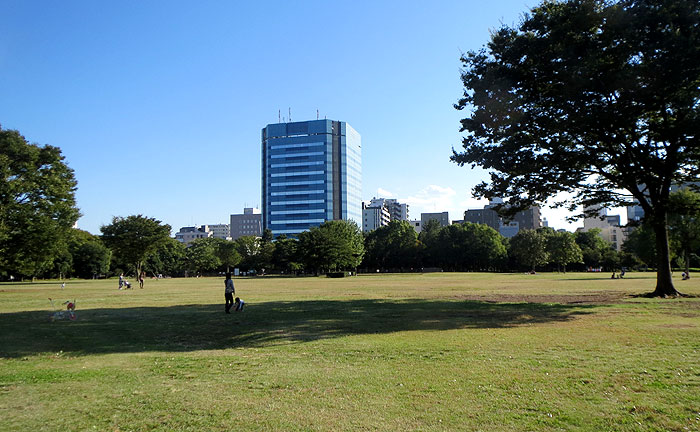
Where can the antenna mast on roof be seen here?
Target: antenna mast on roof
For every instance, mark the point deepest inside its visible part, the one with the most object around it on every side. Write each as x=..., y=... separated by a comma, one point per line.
x=290, y=114
x=316, y=114
x=279, y=116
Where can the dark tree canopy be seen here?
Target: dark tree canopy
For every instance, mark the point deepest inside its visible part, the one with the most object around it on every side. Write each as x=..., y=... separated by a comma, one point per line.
x=134, y=238
x=332, y=246
x=37, y=205
x=594, y=97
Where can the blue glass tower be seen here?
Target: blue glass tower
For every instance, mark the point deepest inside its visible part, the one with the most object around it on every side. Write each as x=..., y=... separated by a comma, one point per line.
x=311, y=173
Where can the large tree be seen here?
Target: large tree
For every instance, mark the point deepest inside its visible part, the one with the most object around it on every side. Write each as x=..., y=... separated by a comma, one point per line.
x=594, y=97
x=89, y=256
x=563, y=249
x=394, y=246
x=134, y=238
x=334, y=245
x=529, y=248
x=37, y=205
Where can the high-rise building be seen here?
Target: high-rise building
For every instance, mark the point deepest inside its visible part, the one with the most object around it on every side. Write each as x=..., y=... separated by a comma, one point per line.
x=374, y=217
x=397, y=210
x=311, y=173
x=246, y=224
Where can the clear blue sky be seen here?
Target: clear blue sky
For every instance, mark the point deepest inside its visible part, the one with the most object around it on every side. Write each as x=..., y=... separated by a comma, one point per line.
x=158, y=106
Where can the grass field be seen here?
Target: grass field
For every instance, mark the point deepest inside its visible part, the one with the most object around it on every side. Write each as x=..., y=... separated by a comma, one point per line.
x=433, y=352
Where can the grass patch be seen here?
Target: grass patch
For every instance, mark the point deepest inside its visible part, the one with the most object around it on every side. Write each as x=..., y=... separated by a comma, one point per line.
x=444, y=351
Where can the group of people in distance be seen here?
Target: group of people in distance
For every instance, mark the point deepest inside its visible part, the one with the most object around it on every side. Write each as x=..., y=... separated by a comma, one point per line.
x=229, y=291
x=123, y=283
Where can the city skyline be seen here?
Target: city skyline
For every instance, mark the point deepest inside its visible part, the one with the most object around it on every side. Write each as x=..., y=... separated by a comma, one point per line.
x=158, y=108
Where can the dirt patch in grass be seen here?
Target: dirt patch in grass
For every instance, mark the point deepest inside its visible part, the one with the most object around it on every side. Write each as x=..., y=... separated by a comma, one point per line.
x=593, y=298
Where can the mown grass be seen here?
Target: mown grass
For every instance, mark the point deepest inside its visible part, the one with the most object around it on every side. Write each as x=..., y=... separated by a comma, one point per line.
x=434, y=352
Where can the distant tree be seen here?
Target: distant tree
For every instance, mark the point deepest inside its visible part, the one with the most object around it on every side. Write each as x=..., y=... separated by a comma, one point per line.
x=90, y=257
x=169, y=259
x=285, y=257
x=134, y=238
x=267, y=248
x=593, y=247
x=429, y=239
x=684, y=224
x=334, y=245
x=227, y=253
x=469, y=246
x=595, y=97
x=640, y=243
x=529, y=248
x=394, y=246
x=250, y=250
x=37, y=205
x=563, y=250
x=202, y=255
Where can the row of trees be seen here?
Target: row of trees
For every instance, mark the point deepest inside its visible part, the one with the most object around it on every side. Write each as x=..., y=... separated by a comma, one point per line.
x=137, y=243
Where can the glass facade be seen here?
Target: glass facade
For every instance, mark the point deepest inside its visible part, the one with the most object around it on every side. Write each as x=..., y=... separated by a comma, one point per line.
x=311, y=173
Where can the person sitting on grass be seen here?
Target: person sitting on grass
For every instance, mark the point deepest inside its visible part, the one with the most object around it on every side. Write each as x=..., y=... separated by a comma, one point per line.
x=238, y=305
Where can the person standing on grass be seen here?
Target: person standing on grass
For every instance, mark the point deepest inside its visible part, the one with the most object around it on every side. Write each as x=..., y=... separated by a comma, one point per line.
x=141, y=276
x=229, y=291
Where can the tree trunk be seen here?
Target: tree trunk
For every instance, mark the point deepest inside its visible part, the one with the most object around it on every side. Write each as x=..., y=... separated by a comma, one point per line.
x=664, y=282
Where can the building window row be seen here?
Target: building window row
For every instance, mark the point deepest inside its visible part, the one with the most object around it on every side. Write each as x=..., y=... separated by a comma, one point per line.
x=297, y=173
x=296, y=164
x=299, y=183
x=296, y=155
x=305, y=145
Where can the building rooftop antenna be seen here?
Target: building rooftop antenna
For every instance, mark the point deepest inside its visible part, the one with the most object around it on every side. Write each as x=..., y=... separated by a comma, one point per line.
x=279, y=116
x=290, y=114
x=317, y=114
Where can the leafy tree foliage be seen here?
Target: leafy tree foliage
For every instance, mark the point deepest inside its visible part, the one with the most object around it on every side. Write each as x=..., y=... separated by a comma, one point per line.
x=251, y=252
x=593, y=247
x=394, y=246
x=469, y=246
x=37, y=205
x=134, y=238
x=563, y=249
x=169, y=259
x=641, y=243
x=202, y=255
x=334, y=245
x=285, y=257
x=684, y=224
x=89, y=256
x=529, y=248
x=431, y=246
x=591, y=97
x=227, y=253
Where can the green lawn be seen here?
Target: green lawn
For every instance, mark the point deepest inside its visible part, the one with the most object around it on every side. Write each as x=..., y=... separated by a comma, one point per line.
x=434, y=352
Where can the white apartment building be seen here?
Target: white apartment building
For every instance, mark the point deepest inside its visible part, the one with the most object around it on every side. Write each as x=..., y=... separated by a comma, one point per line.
x=187, y=235
x=375, y=217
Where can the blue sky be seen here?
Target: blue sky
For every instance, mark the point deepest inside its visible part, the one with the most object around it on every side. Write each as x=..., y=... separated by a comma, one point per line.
x=158, y=106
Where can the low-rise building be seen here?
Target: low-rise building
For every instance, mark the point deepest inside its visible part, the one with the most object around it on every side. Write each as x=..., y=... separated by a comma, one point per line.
x=187, y=235
x=247, y=224
x=222, y=231
x=443, y=218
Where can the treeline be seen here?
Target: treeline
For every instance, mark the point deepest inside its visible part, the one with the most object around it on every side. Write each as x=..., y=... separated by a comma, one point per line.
x=340, y=246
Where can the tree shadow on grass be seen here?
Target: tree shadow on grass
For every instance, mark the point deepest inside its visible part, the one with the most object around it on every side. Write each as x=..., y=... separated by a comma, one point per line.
x=199, y=327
